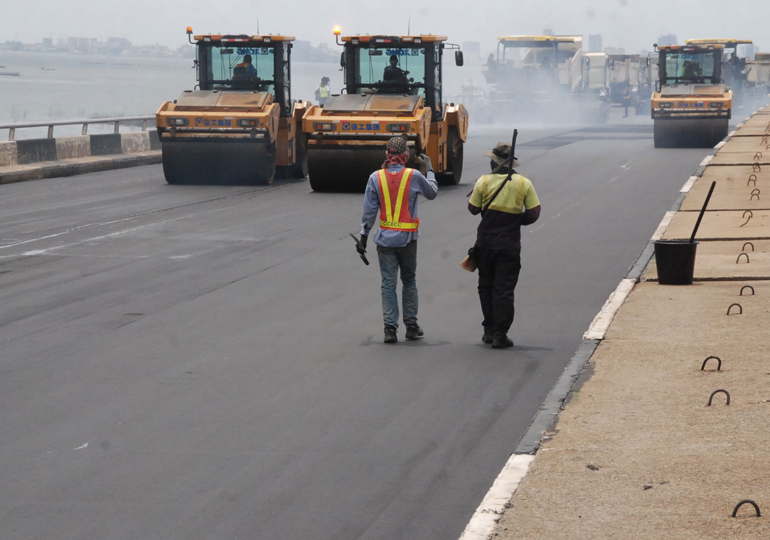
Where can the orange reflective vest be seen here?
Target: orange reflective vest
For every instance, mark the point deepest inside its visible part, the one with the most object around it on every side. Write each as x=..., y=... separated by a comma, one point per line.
x=394, y=197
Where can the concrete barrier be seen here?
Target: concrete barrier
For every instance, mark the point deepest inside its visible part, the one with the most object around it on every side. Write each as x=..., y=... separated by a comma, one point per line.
x=65, y=156
x=36, y=150
x=104, y=145
x=135, y=142
x=73, y=147
x=8, y=154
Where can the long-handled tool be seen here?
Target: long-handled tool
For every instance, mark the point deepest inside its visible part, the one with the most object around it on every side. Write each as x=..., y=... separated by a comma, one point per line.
x=362, y=249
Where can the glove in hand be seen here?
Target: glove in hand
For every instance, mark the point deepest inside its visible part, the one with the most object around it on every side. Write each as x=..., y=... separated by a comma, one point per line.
x=361, y=249
x=424, y=164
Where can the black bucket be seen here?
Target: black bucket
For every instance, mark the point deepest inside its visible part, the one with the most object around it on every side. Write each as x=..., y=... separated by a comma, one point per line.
x=675, y=260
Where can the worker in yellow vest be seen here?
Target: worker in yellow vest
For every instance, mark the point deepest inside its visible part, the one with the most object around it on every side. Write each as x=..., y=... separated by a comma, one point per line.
x=323, y=91
x=392, y=193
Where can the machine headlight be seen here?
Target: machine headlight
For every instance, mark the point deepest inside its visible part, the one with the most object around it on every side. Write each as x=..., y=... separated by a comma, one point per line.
x=397, y=128
x=665, y=105
x=174, y=121
x=716, y=105
x=323, y=126
x=248, y=122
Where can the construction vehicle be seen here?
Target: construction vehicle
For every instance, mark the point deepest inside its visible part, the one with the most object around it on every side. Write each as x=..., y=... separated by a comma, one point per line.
x=758, y=80
x=548, y=77
x=627, y=77
x=691, y=106
x=241, y=123
x=392, y=87
x=734, y=70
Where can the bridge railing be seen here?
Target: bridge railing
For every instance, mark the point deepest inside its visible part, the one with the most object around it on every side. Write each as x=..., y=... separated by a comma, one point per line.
x=125, y=120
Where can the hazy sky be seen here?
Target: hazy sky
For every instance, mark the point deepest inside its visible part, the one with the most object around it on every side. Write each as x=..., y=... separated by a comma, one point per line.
x=633, y=24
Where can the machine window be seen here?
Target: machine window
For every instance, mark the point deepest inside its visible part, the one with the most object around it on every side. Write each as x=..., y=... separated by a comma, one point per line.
x=243, y=68
x=394, y=70
x=693, y=68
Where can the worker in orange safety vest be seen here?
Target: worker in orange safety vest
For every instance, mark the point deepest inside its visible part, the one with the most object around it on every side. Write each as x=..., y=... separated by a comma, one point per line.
x=392, y=192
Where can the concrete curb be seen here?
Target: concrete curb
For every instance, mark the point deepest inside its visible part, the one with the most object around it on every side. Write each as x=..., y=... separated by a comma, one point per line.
x=55, y=169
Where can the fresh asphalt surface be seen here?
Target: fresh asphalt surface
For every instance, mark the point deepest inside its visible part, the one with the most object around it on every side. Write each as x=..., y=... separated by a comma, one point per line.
x=185, y=362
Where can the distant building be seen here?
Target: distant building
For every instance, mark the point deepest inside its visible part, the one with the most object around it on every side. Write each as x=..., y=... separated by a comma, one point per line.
x=547, y=32
x=668, y=39
x=614, y=50
x=48, y=42
x=595, y=43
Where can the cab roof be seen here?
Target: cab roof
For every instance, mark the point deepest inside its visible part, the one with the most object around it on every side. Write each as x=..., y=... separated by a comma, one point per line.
x=240, y=38
x=691, y=47
x=422, y=38
x=719, y=41
x=539, y=41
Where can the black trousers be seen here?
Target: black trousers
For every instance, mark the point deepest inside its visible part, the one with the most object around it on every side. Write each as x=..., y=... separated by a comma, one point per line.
x=498, y=275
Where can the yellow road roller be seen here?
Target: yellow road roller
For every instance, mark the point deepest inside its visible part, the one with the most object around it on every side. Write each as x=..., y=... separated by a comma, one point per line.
x=691, y=106
x=392, y=87
x=241, y=123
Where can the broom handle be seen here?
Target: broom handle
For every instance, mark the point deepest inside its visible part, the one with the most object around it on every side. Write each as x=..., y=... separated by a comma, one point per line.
x=702, y=211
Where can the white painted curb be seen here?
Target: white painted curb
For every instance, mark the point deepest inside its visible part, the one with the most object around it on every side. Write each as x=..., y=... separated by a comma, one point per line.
x=706, y=160
x=485, y=519
x=688, y=185
x=601, y=322
x=664, y=223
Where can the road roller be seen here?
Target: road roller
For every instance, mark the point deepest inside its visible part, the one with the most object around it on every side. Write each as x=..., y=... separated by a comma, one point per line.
x=691, y=106
x=392, y=86
x=241, y=123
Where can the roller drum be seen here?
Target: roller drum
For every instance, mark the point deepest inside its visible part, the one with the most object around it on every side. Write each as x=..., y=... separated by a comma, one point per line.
x=343, y=169
x=689, y=133
x=218, y=162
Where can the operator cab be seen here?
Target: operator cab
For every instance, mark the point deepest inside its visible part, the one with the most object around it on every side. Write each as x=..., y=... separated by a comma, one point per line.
x=259, y=64
x=397, y=65
x=689, y=67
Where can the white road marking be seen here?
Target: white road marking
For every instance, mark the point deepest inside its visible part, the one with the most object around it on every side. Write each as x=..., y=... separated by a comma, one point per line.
x=82, y=447
x=688, y=185
x=601, y=322
x=720, y=144
x=484, y=520
x=706, y=160
x=664, y=223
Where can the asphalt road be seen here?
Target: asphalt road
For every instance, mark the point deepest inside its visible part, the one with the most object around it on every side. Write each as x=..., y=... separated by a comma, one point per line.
x=207, y=362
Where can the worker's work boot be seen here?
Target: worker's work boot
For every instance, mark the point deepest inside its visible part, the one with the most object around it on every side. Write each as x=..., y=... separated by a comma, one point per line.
x=413, y=331
x=501, y=341
x=390, y=335
x=488, y=336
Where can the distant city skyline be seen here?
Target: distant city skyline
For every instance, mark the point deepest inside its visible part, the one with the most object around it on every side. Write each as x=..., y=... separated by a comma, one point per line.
x=629, y=24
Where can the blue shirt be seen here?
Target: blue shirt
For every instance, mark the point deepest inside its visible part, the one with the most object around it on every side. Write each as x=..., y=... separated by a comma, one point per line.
x=427, y=187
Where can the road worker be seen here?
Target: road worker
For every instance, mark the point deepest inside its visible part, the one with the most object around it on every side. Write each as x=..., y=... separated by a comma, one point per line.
x=323, y=91
x=392, y=192
x=497, y=251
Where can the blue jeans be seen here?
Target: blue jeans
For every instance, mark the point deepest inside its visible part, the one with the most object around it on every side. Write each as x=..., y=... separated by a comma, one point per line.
x=391, y=259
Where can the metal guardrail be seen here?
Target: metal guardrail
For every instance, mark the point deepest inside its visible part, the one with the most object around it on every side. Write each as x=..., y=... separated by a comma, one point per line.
x=85, y=123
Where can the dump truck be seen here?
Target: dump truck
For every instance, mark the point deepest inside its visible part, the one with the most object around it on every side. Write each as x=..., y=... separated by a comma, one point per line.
x=547, y=78
x=628, y=81
x=392, y=86
x=691, y=105
x=241, y=123
x=758, y=80
x=734, y=69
